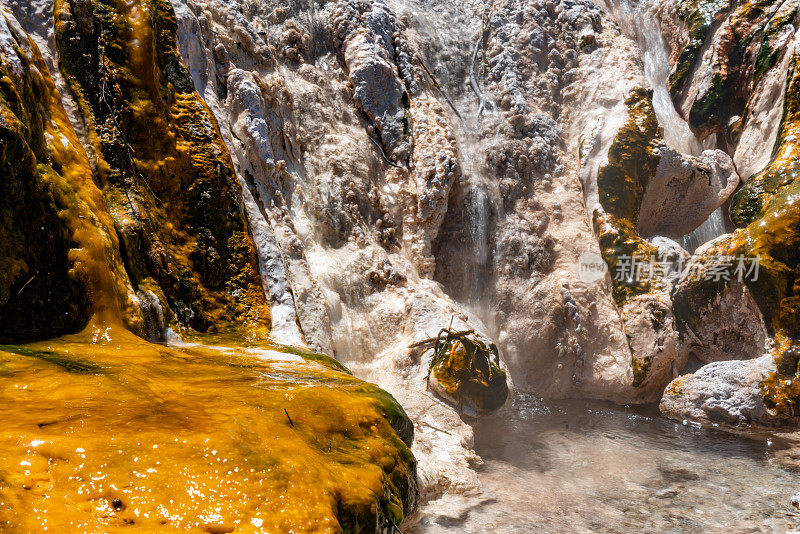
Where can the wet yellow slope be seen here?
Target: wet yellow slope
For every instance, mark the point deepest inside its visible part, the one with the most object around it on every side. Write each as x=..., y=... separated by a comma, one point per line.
x=122, y=435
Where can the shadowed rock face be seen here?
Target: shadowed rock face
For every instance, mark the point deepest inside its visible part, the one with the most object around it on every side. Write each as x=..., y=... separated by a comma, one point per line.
x=39, y=297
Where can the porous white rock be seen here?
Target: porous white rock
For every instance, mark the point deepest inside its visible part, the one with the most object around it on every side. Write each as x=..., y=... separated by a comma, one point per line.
x=762, y=119
x=726, y=393
x=367, y=33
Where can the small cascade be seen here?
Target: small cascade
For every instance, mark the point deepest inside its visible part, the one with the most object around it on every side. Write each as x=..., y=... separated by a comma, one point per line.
x=712, y=228
x=156, y=327
x=640, y=26
x=643, y=28
x=479, y=214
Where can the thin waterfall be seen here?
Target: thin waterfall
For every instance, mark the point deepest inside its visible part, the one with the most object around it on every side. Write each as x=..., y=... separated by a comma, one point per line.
x=641, y=26
x=712, y=228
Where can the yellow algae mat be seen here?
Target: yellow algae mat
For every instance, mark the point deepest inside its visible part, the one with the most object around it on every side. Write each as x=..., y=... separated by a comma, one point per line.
x=105, y=432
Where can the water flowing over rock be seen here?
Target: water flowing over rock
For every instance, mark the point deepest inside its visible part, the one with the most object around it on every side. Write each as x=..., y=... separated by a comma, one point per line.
x=560, y=190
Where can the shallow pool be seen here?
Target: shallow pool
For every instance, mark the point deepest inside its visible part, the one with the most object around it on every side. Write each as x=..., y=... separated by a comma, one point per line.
x=588, y=467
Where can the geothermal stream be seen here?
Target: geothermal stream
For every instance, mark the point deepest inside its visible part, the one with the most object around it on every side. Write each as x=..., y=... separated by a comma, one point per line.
x=583, y=466
x=406, y=167
x=634, y=18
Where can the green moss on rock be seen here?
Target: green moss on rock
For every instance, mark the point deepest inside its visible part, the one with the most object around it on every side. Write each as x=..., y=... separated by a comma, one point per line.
x=620, y=242
x=621, y=184
x=744, y=49
x=769, y=51
x=631, y=163
x=699, y=16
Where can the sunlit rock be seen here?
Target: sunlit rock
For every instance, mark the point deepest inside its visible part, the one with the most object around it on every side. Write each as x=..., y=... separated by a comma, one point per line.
x=124, y=434
x=764, y=211
x=685, y=191
x=726, y=393
x=166, y=174
x=642, y=294
x=376, y=58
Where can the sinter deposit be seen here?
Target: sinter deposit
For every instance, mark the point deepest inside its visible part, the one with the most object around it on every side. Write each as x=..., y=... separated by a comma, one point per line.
x=309, y=266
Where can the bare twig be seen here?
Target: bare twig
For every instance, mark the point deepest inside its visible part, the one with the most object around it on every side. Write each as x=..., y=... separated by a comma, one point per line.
x=433, y=339
x=435, y=428
x=439, y=88
x=385, y=157
x=26, y=283
x=394, y=526
x=288, y=417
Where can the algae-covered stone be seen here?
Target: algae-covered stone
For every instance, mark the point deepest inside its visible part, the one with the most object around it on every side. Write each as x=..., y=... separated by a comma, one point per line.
x=633, y=197
x=126, y=434
x=163, y=166
x=467, y=371
x=59, y=254
x=732, y=45
x=700, y=16
x=767, y=210
x=631, y=163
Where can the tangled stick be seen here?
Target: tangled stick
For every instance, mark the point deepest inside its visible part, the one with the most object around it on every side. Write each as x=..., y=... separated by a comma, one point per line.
x=473, y=80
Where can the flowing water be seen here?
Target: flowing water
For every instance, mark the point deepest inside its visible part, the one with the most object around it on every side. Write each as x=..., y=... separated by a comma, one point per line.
x=644, y=29
x=591, y=467
x=711, y=228
x=588, y=467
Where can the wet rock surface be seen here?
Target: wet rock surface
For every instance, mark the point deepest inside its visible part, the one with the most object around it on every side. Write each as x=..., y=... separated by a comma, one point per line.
x=120, y=434
x=357, y=175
